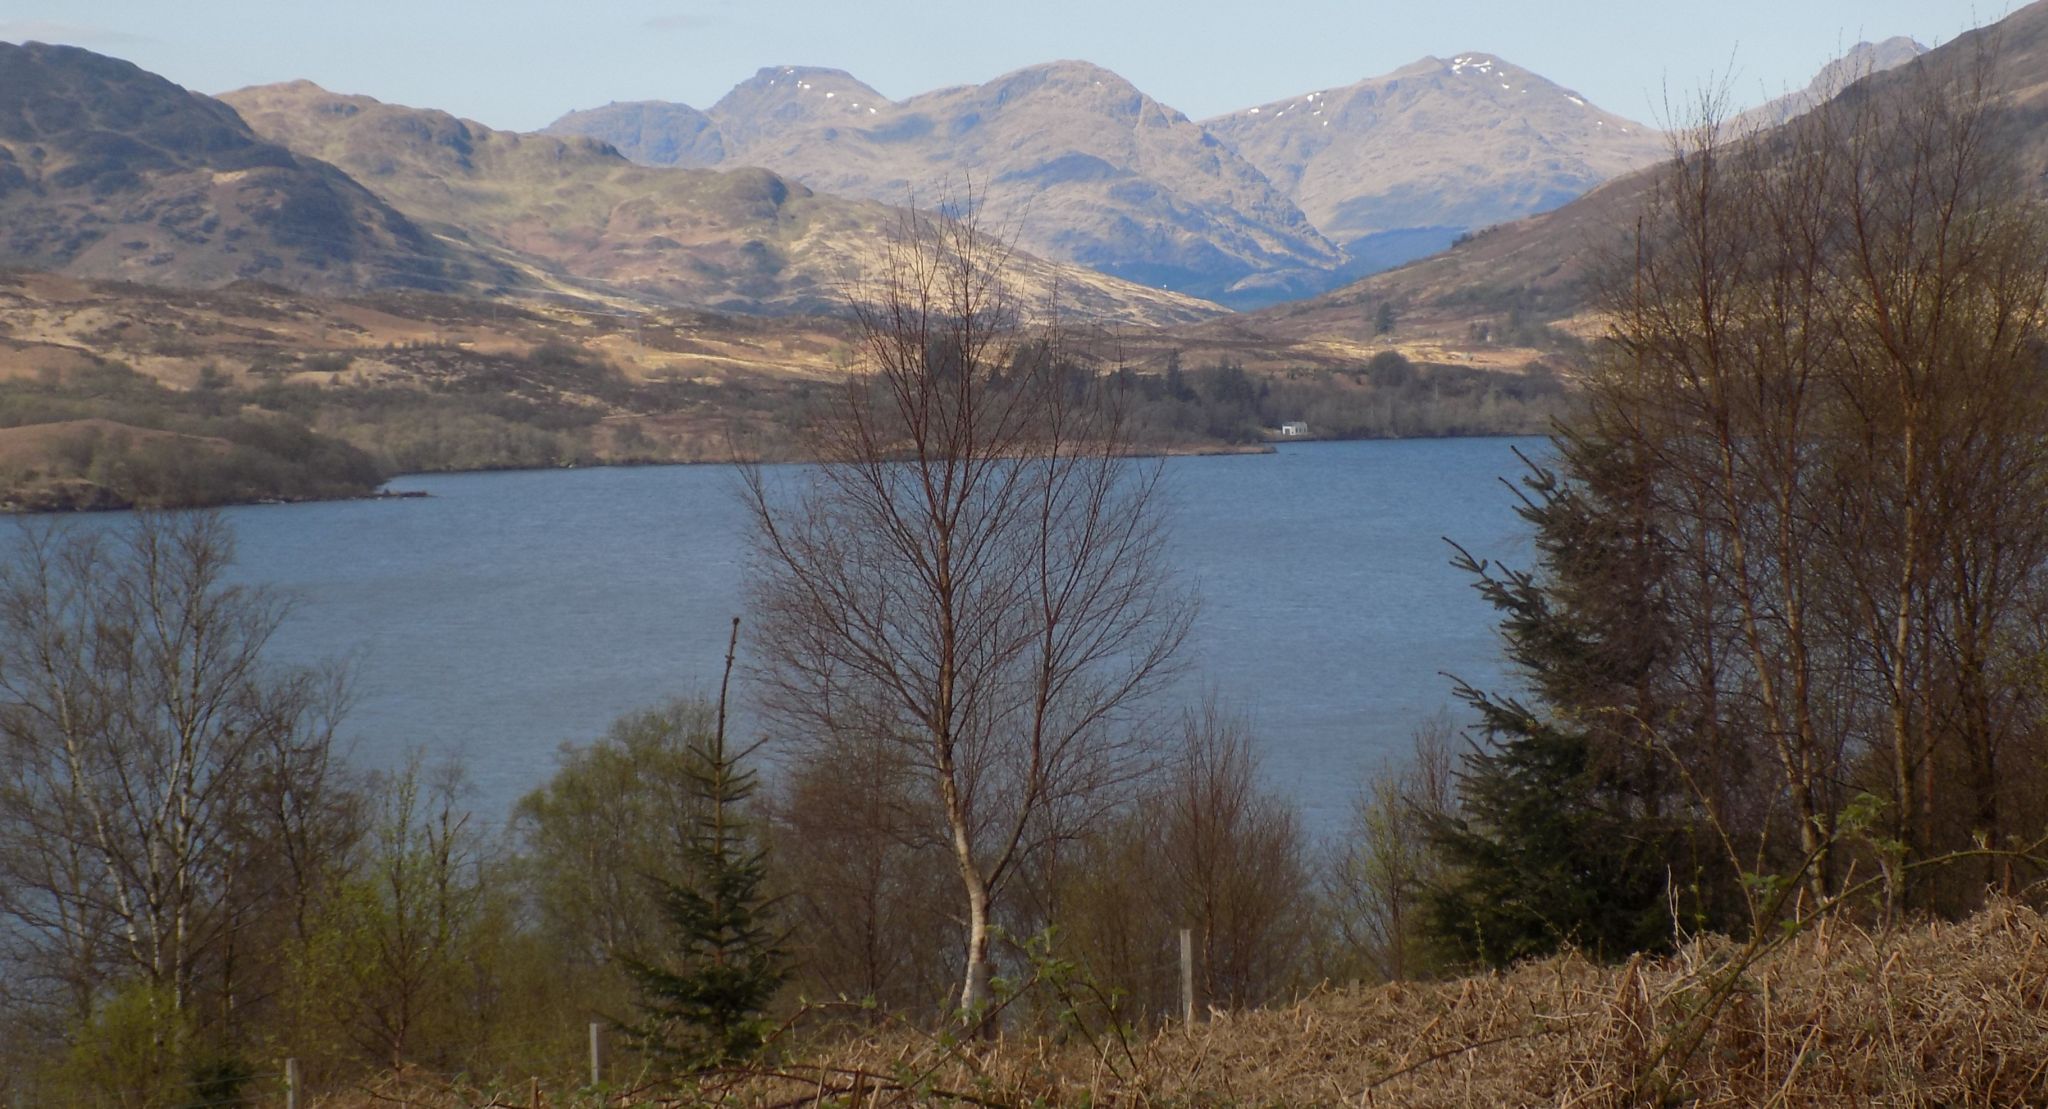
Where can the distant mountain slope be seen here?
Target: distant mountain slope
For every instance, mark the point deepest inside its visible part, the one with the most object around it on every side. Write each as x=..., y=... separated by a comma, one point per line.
x=745, y=240
x=1440, y=144
x=777, y=102
x=1537, y=269
x=1087, y=168
x=650, y=132
x=1861, y=60
x=1244, y=208
x=109, y=171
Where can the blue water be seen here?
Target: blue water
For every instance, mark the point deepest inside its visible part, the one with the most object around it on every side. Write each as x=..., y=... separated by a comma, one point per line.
x=509, y=613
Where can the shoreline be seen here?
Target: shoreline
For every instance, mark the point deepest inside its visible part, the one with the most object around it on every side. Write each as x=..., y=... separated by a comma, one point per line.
x=95, y=500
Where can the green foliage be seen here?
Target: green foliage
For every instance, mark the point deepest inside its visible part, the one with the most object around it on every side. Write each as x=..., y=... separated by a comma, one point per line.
x=704, y=1001
x=1544, y=853
x=139, y=1048
x=385, y=970
x=1570, y=828
x=128, y=1050
x=616, y=813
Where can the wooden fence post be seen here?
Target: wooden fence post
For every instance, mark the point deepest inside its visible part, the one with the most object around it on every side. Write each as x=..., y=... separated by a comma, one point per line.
x=291, y=1084
x=596, y=1053
x=1187, y=975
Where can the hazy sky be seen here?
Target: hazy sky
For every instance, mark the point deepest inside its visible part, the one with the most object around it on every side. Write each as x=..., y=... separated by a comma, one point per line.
x=520, y=63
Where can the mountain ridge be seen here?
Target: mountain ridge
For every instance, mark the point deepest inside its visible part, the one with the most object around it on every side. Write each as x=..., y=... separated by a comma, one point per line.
x=827, y=128
x=1536, y=272
x=1859, y=61
x=1456, y=144
x=1084, y=165
x=742, y=239
x=109, y=171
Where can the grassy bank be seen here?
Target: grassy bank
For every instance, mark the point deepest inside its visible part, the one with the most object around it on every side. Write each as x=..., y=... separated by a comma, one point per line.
x=106, y=437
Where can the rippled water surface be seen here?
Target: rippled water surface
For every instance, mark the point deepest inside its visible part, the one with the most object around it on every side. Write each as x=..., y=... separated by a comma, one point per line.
x=510, y=612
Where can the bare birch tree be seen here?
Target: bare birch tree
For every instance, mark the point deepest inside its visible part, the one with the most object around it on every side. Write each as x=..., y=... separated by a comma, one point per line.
x=972, y=570
x=1828, y=345
x=161, y=787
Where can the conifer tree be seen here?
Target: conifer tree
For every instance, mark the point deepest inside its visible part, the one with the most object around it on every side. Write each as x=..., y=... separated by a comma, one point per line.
x=704, y=1003
x=1571, y=828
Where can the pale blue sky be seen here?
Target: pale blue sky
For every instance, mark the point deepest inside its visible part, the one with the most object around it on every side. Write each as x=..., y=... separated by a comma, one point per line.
x=520, y=63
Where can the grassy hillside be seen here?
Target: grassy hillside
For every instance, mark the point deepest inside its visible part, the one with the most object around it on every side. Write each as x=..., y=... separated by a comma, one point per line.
x=1541, y=270
x=1944, y=1014
x=740, y=239
x=108, y=171
x=115, y=393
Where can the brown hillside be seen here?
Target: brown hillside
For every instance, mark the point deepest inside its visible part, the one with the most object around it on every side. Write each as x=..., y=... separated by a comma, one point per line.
x=739, y=240
x=33, y=441
x=1536, y=270
x=1926, y=1015
x=1086, y=168
x=254, y=333
x=108, y=171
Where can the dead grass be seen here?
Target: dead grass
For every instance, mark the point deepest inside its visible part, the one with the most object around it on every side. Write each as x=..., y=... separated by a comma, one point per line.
x=23, y=445
x=1944, y=1014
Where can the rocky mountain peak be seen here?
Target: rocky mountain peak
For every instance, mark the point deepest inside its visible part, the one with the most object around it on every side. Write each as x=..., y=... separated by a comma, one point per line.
x=1434, y=148
x=1244, y=207
x=650, y=132
x=1858, y=62
x=778, y=98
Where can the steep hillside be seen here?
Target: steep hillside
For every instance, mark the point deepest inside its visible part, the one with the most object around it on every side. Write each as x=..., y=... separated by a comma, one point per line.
x=1535, y=271
x=1862, y=60
x=1087, y=168
x=1442, y=146
x=109, y=171
x=744, y=239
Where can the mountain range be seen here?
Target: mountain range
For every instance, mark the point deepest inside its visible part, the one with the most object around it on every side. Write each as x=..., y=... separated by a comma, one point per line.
x=296, y=236
x=107, y=171
x=743, y=240
x=1435, y=149
x=1086, y=169
x=1270, y=203
x=787, y=188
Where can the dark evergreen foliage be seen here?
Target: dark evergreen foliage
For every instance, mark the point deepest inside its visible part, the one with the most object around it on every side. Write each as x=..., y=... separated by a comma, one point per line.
x=1573, y=827
x=703, y=1003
